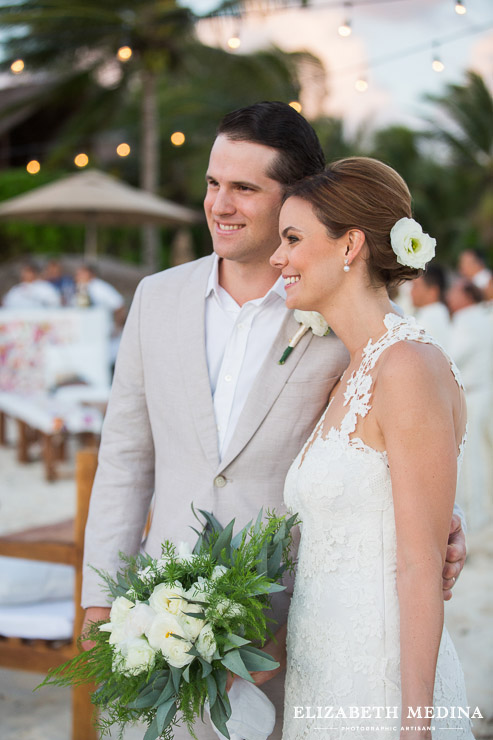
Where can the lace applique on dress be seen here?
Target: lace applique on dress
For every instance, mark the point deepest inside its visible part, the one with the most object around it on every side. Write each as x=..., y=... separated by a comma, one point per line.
x=343, y=629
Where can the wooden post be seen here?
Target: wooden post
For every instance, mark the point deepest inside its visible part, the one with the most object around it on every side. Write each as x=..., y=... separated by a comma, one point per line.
x=49, y=457
x=22, y=442
x=83, y=712
x=3, y=432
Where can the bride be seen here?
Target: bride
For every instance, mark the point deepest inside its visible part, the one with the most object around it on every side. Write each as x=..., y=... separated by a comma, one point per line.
x=367, y=651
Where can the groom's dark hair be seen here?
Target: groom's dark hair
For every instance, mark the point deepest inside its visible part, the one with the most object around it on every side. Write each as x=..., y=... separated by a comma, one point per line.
x=279, y=126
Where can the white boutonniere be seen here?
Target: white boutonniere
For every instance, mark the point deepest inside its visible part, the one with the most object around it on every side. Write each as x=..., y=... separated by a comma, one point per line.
x=308, y=320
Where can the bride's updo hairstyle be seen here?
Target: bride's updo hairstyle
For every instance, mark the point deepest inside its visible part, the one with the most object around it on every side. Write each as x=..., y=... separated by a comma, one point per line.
x=361, y=193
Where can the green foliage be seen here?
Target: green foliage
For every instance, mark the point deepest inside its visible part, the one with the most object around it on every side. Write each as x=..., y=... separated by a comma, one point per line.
x=233, y=600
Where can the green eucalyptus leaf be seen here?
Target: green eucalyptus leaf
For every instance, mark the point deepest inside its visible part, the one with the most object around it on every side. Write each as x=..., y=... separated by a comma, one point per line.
x=223, y=542
x=257, y=660
x=234, y=663
x=211, y=690
x=176, y=677
x=165, y=714
x=152, y=731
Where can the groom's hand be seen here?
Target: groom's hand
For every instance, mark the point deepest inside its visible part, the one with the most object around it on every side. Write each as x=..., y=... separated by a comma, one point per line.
x=455, y=557
x=93, y=614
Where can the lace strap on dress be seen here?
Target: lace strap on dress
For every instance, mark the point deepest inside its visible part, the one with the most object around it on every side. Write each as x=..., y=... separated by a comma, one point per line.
x=358, y=391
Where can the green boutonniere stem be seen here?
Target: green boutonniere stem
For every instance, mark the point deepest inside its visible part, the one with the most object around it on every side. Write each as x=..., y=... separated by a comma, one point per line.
x=292, y=344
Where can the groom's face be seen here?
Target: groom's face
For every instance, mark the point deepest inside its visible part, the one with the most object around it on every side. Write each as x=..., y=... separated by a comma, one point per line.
x=242, y=202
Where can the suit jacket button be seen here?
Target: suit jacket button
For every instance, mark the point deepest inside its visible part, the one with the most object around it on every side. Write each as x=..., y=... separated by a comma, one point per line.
x=220, y=481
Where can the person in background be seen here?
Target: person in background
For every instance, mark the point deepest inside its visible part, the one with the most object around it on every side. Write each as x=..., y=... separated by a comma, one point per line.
x=428, y=297
x=91, y=290
x=64, y=283
x=471, y=347
x=472, y=266
x=32, y=291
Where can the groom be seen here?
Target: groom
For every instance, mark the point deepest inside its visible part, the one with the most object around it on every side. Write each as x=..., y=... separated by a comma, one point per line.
x=200, y=409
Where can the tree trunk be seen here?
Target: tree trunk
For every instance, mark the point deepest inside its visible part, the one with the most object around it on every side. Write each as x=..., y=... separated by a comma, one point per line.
x=149, y=163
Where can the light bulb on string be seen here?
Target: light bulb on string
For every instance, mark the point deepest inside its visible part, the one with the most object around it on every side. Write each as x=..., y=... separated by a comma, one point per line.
x=361, y=84
x=234, y=41
x=296, y=105
x=17, y=66
x=177, y=138
x=33, y=167
x=124, y=53
x=436, y=64
x=460, y=8
x=81, y=160
x=345, y=29
x=123, y=149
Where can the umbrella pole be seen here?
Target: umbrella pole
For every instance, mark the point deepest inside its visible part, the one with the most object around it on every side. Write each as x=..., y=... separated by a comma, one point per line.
x=91, y=242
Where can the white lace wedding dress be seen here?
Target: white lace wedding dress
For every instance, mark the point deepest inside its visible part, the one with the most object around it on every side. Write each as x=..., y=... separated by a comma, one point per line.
x=343, y=627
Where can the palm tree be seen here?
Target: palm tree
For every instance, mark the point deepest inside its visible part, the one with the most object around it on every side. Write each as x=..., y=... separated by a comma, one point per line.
x=467, y=133
x=80, y=41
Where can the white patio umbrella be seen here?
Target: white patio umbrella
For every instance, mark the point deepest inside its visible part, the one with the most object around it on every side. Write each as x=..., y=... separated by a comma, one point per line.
x=94, y=198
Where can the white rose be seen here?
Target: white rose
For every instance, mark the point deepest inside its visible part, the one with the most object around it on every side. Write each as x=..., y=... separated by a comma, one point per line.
x=411, y=245
x=139, y=656
x=206, y=644
x=191, y=625
x=161, y=637
x=314, y=320
x=119, y=609
x=167, y=598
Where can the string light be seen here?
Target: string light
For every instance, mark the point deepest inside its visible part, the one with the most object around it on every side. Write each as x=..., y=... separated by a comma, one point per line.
x=17, y=67
x=81, y=160
x=33, y=167
x=437, y=65
x=296, y=105
x=460, y=8
x=123, y=149
x=177, y=138
x=234, y=42
x=361, y=84
x=345, y=29
x=124, y=53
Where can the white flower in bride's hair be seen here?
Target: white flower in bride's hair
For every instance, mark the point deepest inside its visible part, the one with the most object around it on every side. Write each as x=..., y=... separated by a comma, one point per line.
x=411, y=245
x=314, y=321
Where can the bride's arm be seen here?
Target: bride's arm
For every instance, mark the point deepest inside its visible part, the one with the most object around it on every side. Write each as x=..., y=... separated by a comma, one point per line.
x=415, y=414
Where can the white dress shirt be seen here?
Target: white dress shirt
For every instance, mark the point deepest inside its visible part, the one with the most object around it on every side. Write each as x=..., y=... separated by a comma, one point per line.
x=38, y=294
x=237, y=339
x=436, y=320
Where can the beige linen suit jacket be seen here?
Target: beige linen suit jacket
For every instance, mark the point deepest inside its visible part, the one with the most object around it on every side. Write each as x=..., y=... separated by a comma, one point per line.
x=160, y=437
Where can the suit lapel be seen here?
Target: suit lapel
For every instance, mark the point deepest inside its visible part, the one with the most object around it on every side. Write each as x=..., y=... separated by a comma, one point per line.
x=267, y=386
x=191, y=320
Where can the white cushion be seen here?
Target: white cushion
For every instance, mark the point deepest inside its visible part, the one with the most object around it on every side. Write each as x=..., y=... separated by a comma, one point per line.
x=26, y=581
x=48, y=620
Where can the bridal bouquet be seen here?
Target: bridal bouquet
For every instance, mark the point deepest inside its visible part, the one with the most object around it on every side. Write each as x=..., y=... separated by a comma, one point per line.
x=179, y=623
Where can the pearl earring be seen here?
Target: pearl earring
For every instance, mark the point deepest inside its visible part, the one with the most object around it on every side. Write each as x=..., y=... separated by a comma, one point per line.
x=346, y=267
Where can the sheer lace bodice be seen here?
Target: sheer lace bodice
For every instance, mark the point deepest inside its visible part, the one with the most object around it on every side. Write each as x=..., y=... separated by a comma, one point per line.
x=343, y=633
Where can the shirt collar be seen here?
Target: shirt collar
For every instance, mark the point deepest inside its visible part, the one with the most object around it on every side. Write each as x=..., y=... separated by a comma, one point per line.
x=213, y=285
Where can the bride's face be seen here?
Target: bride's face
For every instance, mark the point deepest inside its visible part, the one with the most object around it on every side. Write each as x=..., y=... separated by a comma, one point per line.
x=311, y=262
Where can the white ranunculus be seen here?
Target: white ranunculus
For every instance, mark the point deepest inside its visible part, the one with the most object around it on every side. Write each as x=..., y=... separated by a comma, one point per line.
x=166, y=598
x=139, y=620
x=119, y=609
x=161, y=637
x=139, y=656
x=314, y=320
x=218, y=571
x=205, y=643
x=191, y=625
x=228, y=608
x=184, y=552
x=411, y=245
x=199, y=591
